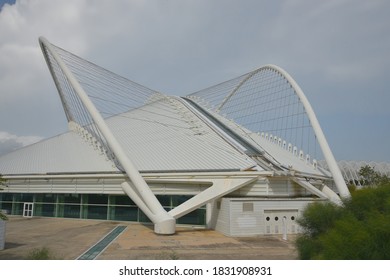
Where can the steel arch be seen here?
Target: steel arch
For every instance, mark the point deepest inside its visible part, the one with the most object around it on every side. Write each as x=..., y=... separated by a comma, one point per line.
x=328, y=155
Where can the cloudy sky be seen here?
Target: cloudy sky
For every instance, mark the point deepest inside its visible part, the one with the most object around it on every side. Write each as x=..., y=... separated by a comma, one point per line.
x=337, y=50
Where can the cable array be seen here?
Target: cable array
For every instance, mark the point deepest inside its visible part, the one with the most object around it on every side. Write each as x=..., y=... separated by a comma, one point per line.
x=111, y=93
x=263, y=101
x=266, y=101
x=78, y=117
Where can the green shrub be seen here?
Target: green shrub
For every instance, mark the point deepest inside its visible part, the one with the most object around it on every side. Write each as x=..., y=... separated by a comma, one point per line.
x=359, y=230
x=40, y=254
x=318, y=218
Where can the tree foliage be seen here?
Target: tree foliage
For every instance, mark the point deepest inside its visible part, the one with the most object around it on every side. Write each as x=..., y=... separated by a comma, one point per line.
x=370, y=177
x=358, y=230
x=2, y=182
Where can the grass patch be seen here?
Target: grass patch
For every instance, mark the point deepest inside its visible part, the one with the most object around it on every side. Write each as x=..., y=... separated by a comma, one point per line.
x=167, y=255
x=41, y=254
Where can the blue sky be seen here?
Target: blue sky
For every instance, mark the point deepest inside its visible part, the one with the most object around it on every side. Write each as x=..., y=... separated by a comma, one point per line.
x=337, y=51
x=3, y=2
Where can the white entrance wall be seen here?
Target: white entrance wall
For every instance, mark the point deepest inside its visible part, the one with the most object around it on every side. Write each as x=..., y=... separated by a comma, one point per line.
x=258, y=216
x=280, y=221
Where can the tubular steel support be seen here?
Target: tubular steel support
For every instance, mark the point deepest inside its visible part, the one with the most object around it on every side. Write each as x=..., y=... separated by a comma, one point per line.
x=332, y=164
x=164, y=223
x=329, y=158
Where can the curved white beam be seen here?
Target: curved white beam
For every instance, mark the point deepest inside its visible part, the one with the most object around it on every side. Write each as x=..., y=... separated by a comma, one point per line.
x=330, y=160
x=333, y=167
x=247, y=77
x=164, y=223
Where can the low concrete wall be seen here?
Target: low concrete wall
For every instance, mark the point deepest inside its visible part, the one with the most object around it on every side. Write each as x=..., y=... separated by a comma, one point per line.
x=2, y=234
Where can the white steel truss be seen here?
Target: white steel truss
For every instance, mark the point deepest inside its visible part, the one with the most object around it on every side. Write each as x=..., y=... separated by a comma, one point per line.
x=267, y=106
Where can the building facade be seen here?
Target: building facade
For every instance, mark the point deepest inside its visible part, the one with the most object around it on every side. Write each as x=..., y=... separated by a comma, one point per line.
x=239, y=157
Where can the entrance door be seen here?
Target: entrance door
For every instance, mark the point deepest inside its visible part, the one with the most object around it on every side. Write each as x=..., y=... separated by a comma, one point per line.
x=280, y=221
x=28, y=209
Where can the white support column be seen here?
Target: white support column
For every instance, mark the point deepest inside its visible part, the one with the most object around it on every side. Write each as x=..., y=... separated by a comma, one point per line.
x=210, y=217
x=164, y=223
x=330, y=160
x=325, y=192
x=219, y=188
x=284, y=227
x=332, y=164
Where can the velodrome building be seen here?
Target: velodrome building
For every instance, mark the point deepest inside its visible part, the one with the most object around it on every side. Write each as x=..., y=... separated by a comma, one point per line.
x=240, y=157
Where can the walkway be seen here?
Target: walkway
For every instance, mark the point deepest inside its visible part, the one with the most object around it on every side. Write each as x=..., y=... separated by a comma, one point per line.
x=69, y=239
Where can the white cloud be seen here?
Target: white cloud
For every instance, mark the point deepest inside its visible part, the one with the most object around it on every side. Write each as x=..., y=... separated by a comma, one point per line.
x=10, y=142
x=337, y=50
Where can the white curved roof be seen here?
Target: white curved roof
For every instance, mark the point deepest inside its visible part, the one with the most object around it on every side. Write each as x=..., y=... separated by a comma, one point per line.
x=162, y=136
x=160, y=133
x=153, y=141
x=65, y=153
x=158, y=137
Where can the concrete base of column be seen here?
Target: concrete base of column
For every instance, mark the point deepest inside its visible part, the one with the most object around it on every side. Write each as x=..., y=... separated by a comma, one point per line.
x=165, y=227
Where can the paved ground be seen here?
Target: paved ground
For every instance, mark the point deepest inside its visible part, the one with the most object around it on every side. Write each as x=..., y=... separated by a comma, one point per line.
x=68, y=239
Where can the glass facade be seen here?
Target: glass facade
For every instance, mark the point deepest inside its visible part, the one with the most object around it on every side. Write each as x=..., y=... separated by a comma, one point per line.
x=94, y=206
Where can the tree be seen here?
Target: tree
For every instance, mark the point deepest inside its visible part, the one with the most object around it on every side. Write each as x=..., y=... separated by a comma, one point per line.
x=358, y=230
x=2, y=184
x=371, y=177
